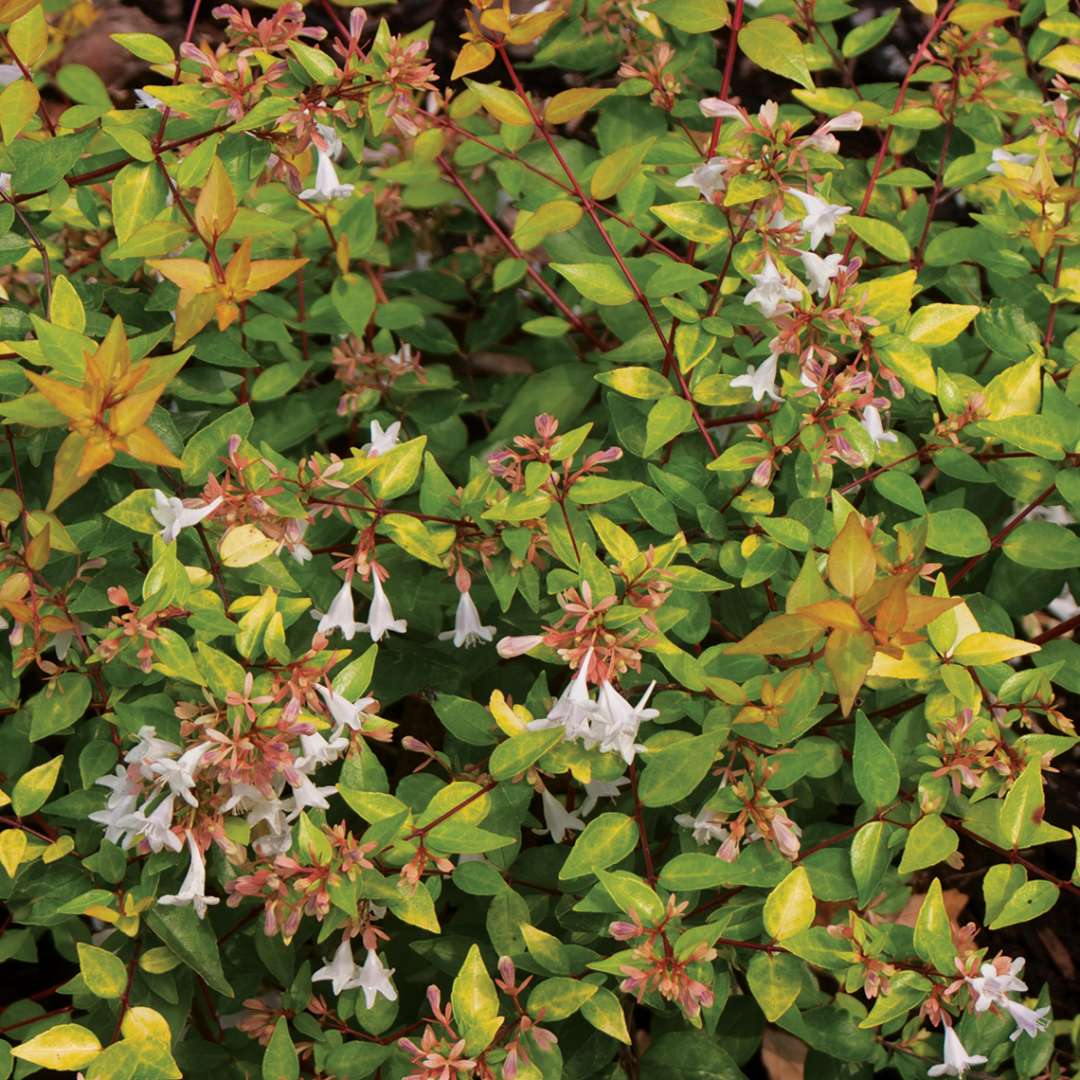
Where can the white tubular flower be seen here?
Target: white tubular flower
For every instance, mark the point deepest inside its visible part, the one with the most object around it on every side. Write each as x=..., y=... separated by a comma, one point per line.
x=193, y=887
x=760, y=381
x=821, y=270
x=317, y=751
x=821, y=217
x=1000, y=156
x=340, y=615
x=619, y=721
x=374, y=979
x=121, y=804
x=156, y=829
x=382, y=440
x=558, y=820
x=710, y=179
x=871, y=421
x=180, y=774
x=704, y=827
x=714, y=107
x=595, y=790
x=574, y=710
x=332, y=139
x=823, y=139
x=402, y=359
x=380, y=620
x=327, y=185
x=306, y=795
x=1028, y=1021
x=771, y=292
x=148, y=100
x=149, y=749
x=345, y=713
x=957, y=1059
x=989, y=988
x=468, y=630
x=173, y=515
x=341, y=971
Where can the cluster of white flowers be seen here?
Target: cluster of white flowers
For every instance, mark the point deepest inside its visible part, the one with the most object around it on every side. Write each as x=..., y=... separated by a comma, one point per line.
x=990, y=988
x=609, y=724
x=559, y=822
x=342, y=616
x=156, y=772
x=343, y=973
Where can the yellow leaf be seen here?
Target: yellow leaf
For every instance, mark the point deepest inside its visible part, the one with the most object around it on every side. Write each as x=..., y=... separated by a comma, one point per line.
x=245, y=545
x=851, y=559
x=142, y=1023
x=66, y=478
x=849, y=658
x=1016, y=391
x=475, y=56
x=72, y=401
x=97, y=453
x=134, y=410
x=10, y=10
x=112, y=359
x=938, y=324
x=216, y=206
x=65, y=1048
x=193, y=312
x=790, y=907
x=511, y=720
x=267, y=272
x=913, y=665
x=1065, y=58
x=18, y=103
x=985, y=648
x=503, y=104
x=12, y=849
x=570, y=104
x=836, y=613
x=66, y=309
x=190, y=274
x=782, y=635
x=146, y=446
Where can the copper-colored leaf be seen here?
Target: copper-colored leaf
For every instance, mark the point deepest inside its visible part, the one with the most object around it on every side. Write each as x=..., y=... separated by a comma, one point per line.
x=68, y=399
x=146, y=446
x=851, y=559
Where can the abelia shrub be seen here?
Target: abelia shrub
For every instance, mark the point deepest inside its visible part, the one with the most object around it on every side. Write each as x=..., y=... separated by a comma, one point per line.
x=559, y=567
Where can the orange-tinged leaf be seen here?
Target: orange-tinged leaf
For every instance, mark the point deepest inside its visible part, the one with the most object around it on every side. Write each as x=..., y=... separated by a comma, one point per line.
x=68, y=399
x=15, y=586
x=570, y=104
x=267, y=272
x=134, y=410
x=193, y=312
x=851, y=559
x=848, y=658
x=112, y=359
x=189, y=274
x=925, y=609
x=97, y=453
x=146, y=446
x=782, y=635
x=236, y=273
x=893, y=612
x=227, y=313
x=835, y=613
x=529, y=27
x=216, y=206
x=37, y=551
x=475, y=56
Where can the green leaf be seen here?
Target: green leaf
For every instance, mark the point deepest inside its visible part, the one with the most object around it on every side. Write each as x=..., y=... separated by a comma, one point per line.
x=667, y=419
x=503, y=104
x=600, y=282
x=933, y=933
x=1042, y=545
x=688, y=1055
x=773, y=45
x=193, y=941
x=34, y=787
x=632, y=894
x=863, y=38
x=675, y=771
x=204, y=447
x=635, y=381
x=692, y=16
x=929, y=842
x=58, y=706
x=558, y=998
x=957, y=532
x=354, y=300
x=604, y=1011
x=616, y=170
x=139, y=193
x=790, y=907
x=514, y=756
x=146, y=47
x=870, y=856
x=775, y=980
x=1029, y=901
x=877, y=776
x=881, y=236
x=1022, y=809
x=397, y=469
x=356, y=1059
x=698, y=221
x=605, y=841
x=475, y=1001
x=280, y=1061
x=105, y=974
x=319, y=65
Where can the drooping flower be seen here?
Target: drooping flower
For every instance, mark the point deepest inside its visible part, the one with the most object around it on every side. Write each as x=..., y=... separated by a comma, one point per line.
x=340, y=615
x=823, y=138
x=557, y=819
x=871, y=421
x=327, y=185
x=341, y=971
x=771, y=292
x=306, y=795
x=382, y=440
x=156, y=829
x=193, y=887
x=704, y=826
x=171, y=513
x=123, y=798
x=380, y=620
x=1028, y=1021
x=595, y=790
x=575, y=709
x=760, y=381
x=957, y=1059
x=618, y=721
x=345, y=713
x=718, y=107
x=148, y=749
x=374, y=979
x=821, y=217
x=318, y=751
x=821, y=270
x=180, y=774
x=468, y=630
x=709, y=178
